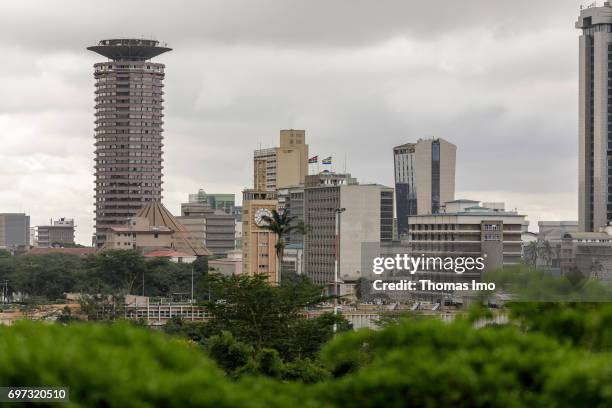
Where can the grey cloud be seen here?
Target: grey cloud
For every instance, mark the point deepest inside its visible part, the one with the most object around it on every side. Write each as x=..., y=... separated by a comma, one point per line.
x=497, y=78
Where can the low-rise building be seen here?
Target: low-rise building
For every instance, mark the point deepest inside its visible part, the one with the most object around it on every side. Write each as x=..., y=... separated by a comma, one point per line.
x=216, y=229
x=589, y=253
x=154, y=228
x=466, y=229
x=58, y=233
x=230, y=265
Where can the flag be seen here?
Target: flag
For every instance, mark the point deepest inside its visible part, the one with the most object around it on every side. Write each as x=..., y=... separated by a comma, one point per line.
x=313, y=159
x=326, y=160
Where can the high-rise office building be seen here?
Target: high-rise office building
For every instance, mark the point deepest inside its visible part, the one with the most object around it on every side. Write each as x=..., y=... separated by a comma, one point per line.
x=128, y=133
x=367, y=217
x=595, y=117
x=424, y=178
x=283, y=166
x=14, y=230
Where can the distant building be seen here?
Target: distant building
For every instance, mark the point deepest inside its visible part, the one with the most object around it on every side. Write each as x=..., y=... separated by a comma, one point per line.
x=589, y=253
x=293, y=259
x=128, y=134
x=14, y=230
x=367, y=218
x=225, y=202
x=424, y=178
x=58, y=233
x=291, y=202
x=466, y=229
x=329, y=178
x=230, y=265
x=283, y=166
x=595, y=120
x=172, y=256
x=548, y=244
x=216, y=229
x=79, y=251
x=154, y=228
x=258, y=244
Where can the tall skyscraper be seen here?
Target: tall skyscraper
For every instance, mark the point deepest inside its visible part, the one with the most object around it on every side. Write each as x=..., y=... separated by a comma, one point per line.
x=128, y=133
x=424, y=178
x=595, y=117
x=283, y=166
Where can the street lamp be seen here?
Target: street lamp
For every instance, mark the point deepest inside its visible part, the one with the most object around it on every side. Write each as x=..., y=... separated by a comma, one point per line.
x=338, y=212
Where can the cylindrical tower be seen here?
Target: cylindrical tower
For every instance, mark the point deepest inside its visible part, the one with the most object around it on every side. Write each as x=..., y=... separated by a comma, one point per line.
x=128, y=130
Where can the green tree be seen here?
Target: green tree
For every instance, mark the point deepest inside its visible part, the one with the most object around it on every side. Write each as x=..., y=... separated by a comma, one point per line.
x=531, y=253
x=266, y=316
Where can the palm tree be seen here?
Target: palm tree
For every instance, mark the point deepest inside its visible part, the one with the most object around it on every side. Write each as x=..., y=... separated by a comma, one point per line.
x=531, y=253
x=280, y=225
x=546, y=252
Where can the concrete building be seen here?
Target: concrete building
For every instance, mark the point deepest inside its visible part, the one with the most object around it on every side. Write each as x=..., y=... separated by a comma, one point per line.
x=283, y=166
x=216, y=229
x=14, y=230
x=589, y=253
x=230, y=265
x=424, y=178
x=154, y=228
x=128, y=133
x=367, y=218
x=291, y=201
x=329, y=178
x=258, y=244
x=595, y=117
x=466, y=229
x=225, y=202
x=293, y=259
x=58, y=233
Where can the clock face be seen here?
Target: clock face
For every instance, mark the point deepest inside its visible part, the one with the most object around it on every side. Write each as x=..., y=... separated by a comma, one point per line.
x=259, y=216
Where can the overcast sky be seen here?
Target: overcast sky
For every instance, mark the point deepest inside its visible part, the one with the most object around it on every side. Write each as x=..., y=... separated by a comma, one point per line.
x=497, y=78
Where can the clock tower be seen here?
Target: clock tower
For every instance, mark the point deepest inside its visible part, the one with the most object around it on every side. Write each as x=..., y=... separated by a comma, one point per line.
x=258, y=243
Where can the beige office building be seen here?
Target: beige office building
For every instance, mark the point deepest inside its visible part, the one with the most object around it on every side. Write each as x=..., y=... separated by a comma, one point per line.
x=258, y=244
x=283, y=166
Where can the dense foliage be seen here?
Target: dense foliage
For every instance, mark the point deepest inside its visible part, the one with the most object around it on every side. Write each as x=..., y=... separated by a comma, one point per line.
x=111, y=272
x=421, y=363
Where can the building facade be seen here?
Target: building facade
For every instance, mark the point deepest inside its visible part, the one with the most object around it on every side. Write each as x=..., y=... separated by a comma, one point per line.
x=128, y=132
x=258, y=243
x=59, y=233
x=14, y=230
x=216, y=229
x=466, y=229
x=154, y=228
x=291, y=202
x=283, y=166
x=367, y=218
x=225, y=202
x=424, y=178
x=595, y=117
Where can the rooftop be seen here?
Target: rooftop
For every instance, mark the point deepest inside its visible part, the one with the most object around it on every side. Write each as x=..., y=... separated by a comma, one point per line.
x=130, y=49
